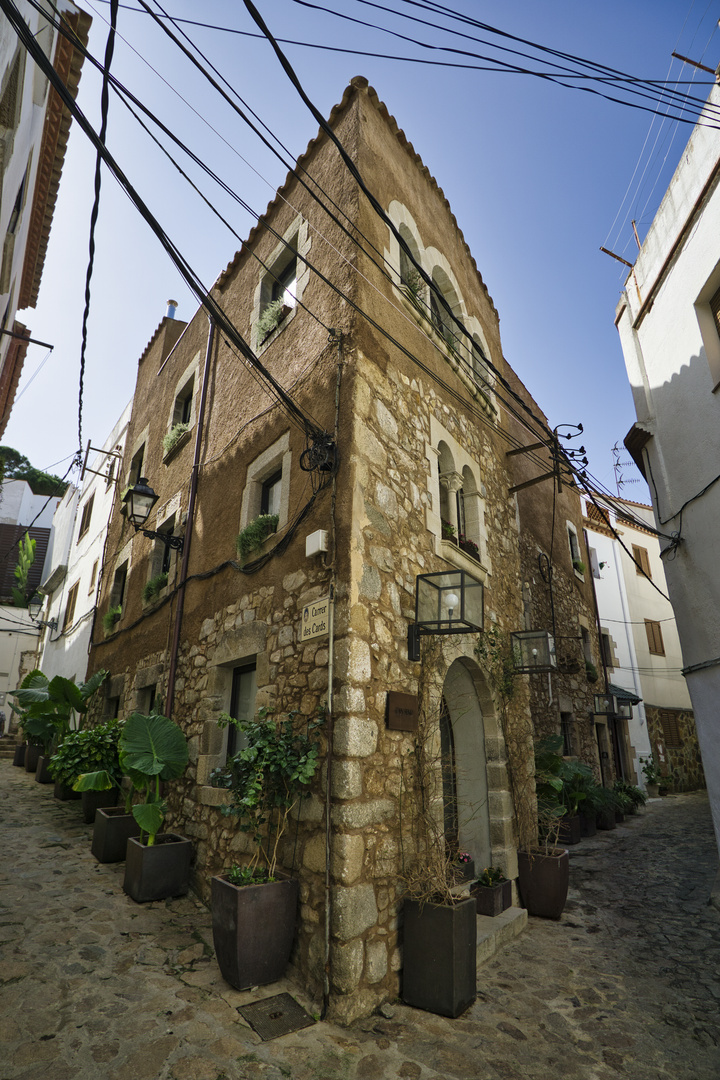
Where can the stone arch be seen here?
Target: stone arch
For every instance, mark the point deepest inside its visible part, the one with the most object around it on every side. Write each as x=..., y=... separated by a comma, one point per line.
x=484, y=813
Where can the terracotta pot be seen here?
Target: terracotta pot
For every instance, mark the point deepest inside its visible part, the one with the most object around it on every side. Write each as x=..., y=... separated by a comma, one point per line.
x=113, y=829
x=253, y=929
x=158, y=871
x=543, y=882
x=492, y=899
x=439, y=956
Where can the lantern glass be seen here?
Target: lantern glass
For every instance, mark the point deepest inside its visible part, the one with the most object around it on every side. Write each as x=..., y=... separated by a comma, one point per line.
x=35, y=606
x=448, y=603
x=624, y=710
x=140, y=500
x=533, y=650
x=605, y=704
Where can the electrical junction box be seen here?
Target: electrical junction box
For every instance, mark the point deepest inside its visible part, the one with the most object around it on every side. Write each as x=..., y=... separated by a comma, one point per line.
x=316, y=543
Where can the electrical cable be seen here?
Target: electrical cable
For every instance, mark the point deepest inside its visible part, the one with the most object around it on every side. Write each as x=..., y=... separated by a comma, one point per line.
x=676, y=96
x=104, y=104
x=181, y=264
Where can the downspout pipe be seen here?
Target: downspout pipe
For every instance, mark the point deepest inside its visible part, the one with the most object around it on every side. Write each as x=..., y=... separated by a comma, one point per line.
x=189, y=524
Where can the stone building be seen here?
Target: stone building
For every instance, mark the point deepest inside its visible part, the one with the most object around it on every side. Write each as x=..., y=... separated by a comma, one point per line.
x=387, y=459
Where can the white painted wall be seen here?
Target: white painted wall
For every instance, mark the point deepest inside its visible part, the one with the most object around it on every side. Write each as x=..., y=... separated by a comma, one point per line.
x=65, y=650
x=18, y=635
x=672, y=362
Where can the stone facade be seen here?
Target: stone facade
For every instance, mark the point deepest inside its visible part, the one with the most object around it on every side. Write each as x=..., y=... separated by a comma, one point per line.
x=673, y=738
x=422, y=486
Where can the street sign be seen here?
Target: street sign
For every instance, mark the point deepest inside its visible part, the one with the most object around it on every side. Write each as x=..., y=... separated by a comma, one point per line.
x=315, y=619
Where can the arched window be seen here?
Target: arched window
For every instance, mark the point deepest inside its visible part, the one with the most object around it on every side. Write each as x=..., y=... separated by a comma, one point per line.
x=408, y=274
x=444, y=304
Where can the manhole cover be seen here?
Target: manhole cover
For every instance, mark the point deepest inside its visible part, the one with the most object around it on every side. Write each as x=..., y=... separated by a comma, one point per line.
x=275, y=1016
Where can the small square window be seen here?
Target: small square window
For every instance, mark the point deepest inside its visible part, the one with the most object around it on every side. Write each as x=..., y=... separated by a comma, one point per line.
x=182, y=412
x=136, y=466
x=642, y=561
x=93, y=577
x=117, y=593
x=284, y=284
x=242, y=703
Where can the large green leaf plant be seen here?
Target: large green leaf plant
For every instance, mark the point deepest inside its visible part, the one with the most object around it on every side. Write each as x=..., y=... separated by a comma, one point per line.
x=152, y=749
x=50, y=708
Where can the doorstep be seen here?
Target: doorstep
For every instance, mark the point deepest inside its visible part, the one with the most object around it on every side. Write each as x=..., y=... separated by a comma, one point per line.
x=493, y=933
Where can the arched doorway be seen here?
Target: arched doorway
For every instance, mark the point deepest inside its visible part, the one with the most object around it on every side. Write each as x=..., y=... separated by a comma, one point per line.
x=465, y=781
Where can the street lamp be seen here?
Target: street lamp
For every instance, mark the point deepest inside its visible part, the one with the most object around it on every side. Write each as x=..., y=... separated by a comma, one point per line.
x=533, y=651
x=450, y=602
x=139, y=501
x=35, y=605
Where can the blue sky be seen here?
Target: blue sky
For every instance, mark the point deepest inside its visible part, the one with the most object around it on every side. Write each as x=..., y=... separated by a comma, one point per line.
x=538, y=177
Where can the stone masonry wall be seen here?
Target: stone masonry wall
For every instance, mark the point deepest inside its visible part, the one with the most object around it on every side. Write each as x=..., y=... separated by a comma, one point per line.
x=684, y=769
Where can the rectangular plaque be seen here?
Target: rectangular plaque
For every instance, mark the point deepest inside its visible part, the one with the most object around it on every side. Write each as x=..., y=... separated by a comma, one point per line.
x=402, y=711
x=315, y=619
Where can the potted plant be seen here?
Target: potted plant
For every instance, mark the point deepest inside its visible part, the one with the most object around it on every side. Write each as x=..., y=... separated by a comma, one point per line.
x=631, y=797
x=99, y=779
x=439, y=929
x=51, y=708
x=492, y=892
x=110, y=618
x=157, y=865
x=544, y=869
x=652, y=775
x=254, y=535
x=254, y=906
x=152, y=588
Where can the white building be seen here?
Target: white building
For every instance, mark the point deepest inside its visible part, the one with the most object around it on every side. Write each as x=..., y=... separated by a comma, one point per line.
x=72, y=579
x=34, y=130
x=640, y=641
x=669, y=324
x=20, y=511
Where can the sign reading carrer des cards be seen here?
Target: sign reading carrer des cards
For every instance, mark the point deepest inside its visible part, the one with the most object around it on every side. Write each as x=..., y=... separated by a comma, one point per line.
x=315, y=619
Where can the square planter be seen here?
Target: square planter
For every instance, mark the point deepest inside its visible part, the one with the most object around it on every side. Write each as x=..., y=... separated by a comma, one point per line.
x=439, y=958
x=32, y=756
x=19, y=755
x=253, y=930
x=588, y=826
x=605, y=820
x=464, y=871
x=160, y=871
x=113, y=829
x=92, y=801
x=42, y=772
x=570, y=831
x=65, y=793
x=492, y=900
x=543, y=881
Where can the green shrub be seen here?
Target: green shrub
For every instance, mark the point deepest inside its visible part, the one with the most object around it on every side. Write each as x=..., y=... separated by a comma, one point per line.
x=110, y=617
x=173, y=437
x=256, y=533
x=153, y=588
x=90, y=750
x=270, y=318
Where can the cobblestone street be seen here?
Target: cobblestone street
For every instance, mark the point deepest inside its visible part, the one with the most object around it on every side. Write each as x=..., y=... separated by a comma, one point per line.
x=626, y=984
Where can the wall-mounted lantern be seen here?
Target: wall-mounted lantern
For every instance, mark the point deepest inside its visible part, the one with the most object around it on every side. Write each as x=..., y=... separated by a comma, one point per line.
x=605, y=705
x=533, y=651
x=139, y=501
x=450, y=602
x=624, y=710
x=35, y=606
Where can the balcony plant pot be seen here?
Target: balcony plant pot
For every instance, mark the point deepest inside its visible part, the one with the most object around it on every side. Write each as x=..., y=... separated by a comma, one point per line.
x=42, y=772
x=543, y=880
x=157, y=871
x=439, y=956
x=32, y=756
x=253, y=929
x=113, y=829
x=19, y=755
x=570, y=830
x=492, y=900
x=92, y=801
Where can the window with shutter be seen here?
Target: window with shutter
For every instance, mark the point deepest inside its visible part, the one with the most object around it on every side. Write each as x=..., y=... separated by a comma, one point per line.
x=654, y=637
x=671, y=729
x=642, y=560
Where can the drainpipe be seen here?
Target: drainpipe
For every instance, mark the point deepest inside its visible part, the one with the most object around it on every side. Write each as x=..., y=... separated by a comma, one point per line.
x=334, y=336
x=189, y=525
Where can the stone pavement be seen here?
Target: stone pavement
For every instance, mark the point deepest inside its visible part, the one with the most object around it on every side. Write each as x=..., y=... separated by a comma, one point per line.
x=625, y=985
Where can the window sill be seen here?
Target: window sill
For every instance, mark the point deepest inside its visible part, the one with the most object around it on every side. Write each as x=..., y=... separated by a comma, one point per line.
x=213, y=796
x=459, y=558
x=282, y=323
x=578, y=575
x=184, y=438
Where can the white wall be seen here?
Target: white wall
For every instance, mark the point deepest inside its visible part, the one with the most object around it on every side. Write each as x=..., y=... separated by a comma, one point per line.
x=672, y=363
